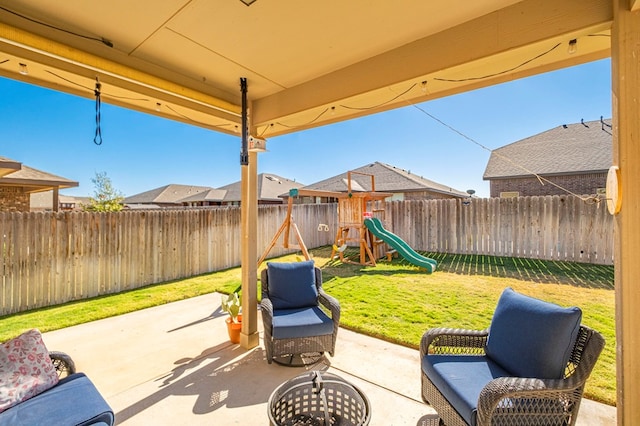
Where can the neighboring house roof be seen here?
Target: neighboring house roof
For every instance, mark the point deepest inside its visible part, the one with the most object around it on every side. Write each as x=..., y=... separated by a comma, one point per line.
x=270, y=187
x=142, y=206
x=33, y=180
x=388, y=178
x=168, y=194
x=212, y=195
x=44, y=200
x=568, y=149
x=78, y=200
x=30, y=176
x=8, y=165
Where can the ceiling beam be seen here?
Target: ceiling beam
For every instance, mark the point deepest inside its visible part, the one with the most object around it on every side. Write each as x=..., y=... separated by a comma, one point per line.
x=45, y=51
x=517, y=26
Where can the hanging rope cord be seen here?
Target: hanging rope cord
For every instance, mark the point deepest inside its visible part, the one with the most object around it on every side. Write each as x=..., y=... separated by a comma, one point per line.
x=541, y=179
x=97, y=139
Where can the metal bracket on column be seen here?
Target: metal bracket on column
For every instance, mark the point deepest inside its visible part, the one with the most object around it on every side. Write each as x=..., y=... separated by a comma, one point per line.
x=244, y=153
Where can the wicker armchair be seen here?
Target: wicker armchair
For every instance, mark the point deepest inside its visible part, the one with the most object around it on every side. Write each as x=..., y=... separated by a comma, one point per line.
x=300, y=320
x=63, y=364
x=504, y=399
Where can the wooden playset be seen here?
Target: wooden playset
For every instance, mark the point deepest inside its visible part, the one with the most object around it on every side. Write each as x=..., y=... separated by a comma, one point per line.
x=288, y=224
x=353, y=209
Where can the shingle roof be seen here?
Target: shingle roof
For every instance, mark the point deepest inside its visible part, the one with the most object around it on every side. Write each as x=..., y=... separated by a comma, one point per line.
x=44, y=200
x=7, y=165
x=143, y=206
x=270, y=187
x=568, y=149
x=388, y=178
x=215, y=195
x=168, y=194
x=34, y=177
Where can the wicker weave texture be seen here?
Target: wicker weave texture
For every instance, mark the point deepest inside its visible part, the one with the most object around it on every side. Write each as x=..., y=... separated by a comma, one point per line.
x=432, y=396
x=302, y=345
x=514, y=401
x=279, y=347
x=63, y=364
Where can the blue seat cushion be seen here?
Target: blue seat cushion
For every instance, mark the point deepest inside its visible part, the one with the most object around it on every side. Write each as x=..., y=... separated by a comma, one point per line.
x=292, y=285
x=532, y=338
x=301, y=322
x=460, y=378
x=73, y=401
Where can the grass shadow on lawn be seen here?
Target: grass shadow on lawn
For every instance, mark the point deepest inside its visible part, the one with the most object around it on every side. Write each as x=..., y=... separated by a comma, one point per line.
x=540, y=271
x=397, y=301
x=576, y=274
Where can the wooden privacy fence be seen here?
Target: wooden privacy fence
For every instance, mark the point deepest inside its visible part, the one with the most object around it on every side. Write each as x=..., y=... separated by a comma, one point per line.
x=550, y=227
x=52, y=258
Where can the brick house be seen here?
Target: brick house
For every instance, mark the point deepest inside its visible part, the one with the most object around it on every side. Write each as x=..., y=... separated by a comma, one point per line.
x=18, y=182
x=576, y=157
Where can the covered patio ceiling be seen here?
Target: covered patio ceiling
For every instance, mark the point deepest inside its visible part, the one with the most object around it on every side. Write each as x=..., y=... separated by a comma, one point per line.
x=307, y=63
x=311, y=63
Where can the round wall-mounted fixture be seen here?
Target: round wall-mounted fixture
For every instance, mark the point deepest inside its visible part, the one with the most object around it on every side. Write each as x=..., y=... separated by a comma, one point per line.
x=614, y=190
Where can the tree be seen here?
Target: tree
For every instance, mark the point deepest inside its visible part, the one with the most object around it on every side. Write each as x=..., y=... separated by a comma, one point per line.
x=105, y=197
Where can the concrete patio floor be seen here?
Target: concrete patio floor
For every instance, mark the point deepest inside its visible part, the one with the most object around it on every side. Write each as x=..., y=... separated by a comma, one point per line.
x=173, y=364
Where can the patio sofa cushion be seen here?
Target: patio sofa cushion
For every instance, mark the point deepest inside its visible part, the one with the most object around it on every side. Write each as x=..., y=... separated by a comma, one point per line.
x=292, y=285
x=25, y=369
x=73, y=401
x=301, y=322
x=530, y=337
x=460, y=378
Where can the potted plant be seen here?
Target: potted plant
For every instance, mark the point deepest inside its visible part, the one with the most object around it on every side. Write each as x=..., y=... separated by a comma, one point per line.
x=231, y=305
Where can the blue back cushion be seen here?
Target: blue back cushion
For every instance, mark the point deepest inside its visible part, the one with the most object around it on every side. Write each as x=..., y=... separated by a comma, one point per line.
x=532, y=338
x=292, y=285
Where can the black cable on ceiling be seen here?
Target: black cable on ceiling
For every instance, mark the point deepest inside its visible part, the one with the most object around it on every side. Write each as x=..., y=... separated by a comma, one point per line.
x=500, y=72
x=100, y=39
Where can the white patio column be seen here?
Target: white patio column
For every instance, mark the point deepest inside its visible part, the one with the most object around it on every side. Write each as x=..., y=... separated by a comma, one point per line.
x=625, y=75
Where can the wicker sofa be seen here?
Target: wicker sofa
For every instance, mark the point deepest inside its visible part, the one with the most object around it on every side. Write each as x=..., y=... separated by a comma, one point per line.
x=528, y=368
x=72, y=400
x=297, y=315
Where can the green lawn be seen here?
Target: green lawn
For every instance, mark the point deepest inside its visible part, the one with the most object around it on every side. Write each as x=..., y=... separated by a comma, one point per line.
x=395, y=301
x=463, y=293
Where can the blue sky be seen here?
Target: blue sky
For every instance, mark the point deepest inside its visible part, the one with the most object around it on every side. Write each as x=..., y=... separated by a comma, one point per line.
x=53, y=132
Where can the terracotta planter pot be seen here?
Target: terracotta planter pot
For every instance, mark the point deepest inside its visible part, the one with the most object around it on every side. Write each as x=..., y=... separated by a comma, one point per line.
x=234, y=329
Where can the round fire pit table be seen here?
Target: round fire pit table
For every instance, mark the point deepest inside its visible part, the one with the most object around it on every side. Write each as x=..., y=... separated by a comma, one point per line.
x=318, y=398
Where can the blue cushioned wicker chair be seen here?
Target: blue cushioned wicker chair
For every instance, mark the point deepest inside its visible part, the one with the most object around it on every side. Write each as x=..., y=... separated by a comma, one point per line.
x=528, y=368
x=300, y=320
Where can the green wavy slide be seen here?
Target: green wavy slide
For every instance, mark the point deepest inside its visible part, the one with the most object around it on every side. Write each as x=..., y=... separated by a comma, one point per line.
x=398, y=244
